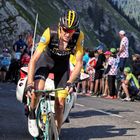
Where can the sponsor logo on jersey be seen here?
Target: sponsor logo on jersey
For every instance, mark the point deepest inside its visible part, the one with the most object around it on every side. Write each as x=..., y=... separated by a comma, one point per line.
x=42, y=39
x=82, y=43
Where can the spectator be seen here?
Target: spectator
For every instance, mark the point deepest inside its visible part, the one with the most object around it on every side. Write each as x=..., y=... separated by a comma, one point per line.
x=16, y=63
x=99, y=69
x=25, y=58
x=85, y=58
x=24, y=61
x=105, y=87
x=130, y=85
x=85, y=61
x=5, y=60
x=111, y=71
x=19, y=45
x=136, y=65
x=91, y=71
x=123, y=50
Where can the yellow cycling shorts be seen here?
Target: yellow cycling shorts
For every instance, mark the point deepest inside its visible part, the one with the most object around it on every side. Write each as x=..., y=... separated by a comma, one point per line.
x=62, y=93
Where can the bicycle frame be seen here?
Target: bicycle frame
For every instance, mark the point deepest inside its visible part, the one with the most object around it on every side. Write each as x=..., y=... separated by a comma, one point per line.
x=45, y=118
x=43, y=111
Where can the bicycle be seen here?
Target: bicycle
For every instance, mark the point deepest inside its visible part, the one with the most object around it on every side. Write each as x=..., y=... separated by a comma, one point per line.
x=45, y=116
x=46, y=100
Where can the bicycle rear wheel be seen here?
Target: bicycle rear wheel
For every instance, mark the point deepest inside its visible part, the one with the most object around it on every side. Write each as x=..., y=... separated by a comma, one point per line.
x=52, y=129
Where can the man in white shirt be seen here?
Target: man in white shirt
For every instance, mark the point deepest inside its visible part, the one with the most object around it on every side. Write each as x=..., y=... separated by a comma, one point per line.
x=123, y=50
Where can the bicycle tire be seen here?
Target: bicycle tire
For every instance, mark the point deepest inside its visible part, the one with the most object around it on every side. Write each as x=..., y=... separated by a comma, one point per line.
x=52, y=129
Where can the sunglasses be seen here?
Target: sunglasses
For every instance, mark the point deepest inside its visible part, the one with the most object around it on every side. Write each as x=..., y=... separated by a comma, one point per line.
x=68, y=30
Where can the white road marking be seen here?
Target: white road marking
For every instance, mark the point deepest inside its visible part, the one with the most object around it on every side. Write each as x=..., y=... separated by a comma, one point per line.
x=108, y=113
x=137, y=122
x=80, y=105
x=13, y=90
x=98, y=110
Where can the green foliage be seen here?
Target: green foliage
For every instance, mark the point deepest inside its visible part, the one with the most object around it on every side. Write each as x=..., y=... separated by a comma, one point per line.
x=128, y=9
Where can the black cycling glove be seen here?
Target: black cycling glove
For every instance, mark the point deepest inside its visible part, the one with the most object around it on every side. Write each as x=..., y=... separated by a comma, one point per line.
x=29, y=88
x=68, y=84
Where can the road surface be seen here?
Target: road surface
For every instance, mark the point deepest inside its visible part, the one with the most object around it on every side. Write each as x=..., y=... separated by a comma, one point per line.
x=91, y=119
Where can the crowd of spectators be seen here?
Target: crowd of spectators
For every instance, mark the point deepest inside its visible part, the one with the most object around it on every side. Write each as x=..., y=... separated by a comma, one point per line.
x=13, y=58
x=108, y=69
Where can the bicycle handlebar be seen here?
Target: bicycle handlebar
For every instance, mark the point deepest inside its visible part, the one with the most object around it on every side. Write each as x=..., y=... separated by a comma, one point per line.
x=48, y=91
x=57, y=89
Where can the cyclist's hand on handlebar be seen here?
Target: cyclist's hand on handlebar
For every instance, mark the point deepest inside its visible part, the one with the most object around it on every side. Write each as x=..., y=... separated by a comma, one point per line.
x=69, y=87
x=28, y=90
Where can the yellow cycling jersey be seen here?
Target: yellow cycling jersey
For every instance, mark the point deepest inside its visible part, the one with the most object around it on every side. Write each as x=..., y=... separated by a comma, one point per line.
x=73, y=61
x=46, y=38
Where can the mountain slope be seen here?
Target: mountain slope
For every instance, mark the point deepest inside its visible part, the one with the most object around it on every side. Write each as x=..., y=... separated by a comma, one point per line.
x=130, y=8
x=98, y=19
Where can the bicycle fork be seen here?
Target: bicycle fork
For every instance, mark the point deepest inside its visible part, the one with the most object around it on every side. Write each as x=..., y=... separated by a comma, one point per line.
x=45, y=109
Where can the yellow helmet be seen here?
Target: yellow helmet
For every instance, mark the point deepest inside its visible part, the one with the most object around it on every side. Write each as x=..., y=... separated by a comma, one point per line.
x=69, y=20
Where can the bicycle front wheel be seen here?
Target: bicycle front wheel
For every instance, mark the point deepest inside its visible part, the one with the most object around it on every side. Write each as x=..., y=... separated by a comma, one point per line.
x=52, y=129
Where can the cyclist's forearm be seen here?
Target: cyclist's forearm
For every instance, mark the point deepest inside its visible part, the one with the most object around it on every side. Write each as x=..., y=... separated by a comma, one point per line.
x=31, y=71
x=75, y=73
x=31, y=66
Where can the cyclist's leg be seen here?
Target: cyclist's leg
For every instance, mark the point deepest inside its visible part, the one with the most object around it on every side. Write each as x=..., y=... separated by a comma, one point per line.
x=60, y=81
x=43, y=67
x=59, y=108
x=38, y=85
x=32, y=125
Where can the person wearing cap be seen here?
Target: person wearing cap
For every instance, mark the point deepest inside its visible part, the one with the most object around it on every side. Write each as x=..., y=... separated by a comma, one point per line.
x=99, y=69
x=123, y=50
x=105, y=79
x=19, y=45
x=130, y=84
x=111, y=71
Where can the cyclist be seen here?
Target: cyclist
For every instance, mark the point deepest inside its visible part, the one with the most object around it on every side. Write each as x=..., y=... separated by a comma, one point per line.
x=130, y=85
x=52, y=55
